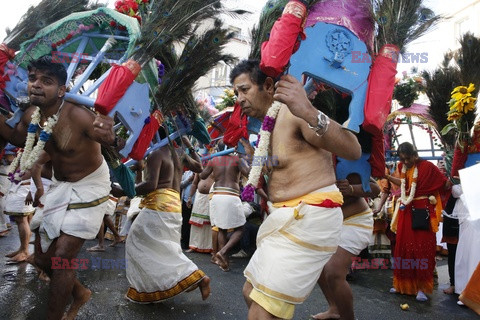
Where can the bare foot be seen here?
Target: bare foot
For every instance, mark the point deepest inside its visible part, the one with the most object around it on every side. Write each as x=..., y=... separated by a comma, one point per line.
x=326, y=315
x=205, y=287
x=12, y=254
x=21, y=256
x=449, y=290
x=31, y=259
x=116, y=241
x=78, y=301
x=96, y=248
x=4, y=233
x=222, y=261
x=214, y=260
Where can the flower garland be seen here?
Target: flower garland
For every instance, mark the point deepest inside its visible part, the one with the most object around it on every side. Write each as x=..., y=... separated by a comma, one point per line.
x=30, y=153
x=261, y=151
x=406, y=201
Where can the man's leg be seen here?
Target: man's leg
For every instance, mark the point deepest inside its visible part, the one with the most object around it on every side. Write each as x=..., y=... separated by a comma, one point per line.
x=63, y=282
x=214, y=245
x=256, y=312
x=100, y=247
x=247, y=288
x=332, y=312
x=110, y=225
x=186, y=213
x=338, y=289
x=235, y=238
x=24, y=234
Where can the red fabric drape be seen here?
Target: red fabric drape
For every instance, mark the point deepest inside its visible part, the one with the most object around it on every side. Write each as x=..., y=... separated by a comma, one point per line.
x=146, y=136
x=284, y=39
x=6, y=54
x=377, y=157
x=114, y=86
x=430, y=178
x=380, y=89
x=237, y=127
x=459, y=159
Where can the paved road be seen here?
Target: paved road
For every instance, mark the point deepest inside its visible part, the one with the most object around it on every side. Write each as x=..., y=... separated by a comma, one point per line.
x=23, y=296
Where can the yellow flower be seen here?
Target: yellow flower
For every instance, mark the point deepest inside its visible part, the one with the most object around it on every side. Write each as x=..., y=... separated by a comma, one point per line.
x=454, y=116
x=469, y=105
x=462, y=91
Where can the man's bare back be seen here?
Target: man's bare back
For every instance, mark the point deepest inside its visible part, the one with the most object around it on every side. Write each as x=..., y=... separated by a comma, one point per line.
x=227, y=173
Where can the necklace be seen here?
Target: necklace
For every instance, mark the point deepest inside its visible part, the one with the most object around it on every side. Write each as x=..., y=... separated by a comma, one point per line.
x=411, y=195
x=30, y=153
x=261, y=151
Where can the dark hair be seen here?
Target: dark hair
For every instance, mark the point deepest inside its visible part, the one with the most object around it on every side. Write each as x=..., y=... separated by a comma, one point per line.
x=252, y=67
x=407, y=149
x=52, y=68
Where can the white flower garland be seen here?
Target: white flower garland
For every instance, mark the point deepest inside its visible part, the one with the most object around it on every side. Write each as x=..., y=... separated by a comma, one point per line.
x=30, y=153
x=261, y=151
x=403, y=198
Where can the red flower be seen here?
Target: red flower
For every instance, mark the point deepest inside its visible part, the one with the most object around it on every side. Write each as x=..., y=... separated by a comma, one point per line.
x=69, y=36
x=145, y=1
x=54, y=46
x=113, y=23
x=118, y=4
x=139, y=19
x=123, y=28
x=124, y=9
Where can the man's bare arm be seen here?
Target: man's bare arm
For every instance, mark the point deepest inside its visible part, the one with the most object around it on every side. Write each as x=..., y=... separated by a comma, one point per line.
x=18, y=134
x=154, y=163
x=335, y=139
x=206, y=172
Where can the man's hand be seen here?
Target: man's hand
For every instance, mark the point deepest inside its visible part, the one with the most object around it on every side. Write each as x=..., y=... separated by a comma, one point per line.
x=103, y=128
x=290, y=91
x=189, y=202
x=29, y=199
x=249, y=150
x=345, y=187
x=38, y=194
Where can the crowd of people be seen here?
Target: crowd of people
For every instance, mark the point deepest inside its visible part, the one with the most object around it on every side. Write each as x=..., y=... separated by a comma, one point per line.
x=304, y=227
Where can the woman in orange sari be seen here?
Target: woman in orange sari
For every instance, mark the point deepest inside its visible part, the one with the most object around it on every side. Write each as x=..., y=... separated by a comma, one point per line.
x=414, y=256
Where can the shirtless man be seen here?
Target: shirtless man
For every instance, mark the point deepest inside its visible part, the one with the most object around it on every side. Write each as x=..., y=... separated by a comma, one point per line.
x=226, y=209
x=303, y=229
x=356, y=234
x=80, y=176
x=201, y=230
x=157, y=269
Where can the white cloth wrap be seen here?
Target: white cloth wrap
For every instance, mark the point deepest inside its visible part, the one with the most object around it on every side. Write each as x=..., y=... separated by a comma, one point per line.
x=155, y=260
x=15, y=200
x=83, y=223
x=291, y=253
x=200, y=210
x=357, y=232
x=226, y=211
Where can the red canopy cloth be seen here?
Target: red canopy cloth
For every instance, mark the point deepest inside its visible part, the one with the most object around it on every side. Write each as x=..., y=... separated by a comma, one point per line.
x=284, y=39
x=237, y=127
x=148, y=132
x=6, y=54
x=114, y=86
x=380, y=89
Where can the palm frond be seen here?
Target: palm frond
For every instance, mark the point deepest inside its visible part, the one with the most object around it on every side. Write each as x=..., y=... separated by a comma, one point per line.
x=171, y=20
x=402, y=21
x=199, y=56
x=440, y=84
x=39, y=16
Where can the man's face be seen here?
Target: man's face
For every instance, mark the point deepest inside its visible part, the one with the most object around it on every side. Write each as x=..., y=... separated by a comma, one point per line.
x=43, y=88
x=253, y=101
x=408, y=161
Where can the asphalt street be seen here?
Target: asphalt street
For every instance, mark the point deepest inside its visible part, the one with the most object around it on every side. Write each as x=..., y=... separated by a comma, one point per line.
x=24, y=296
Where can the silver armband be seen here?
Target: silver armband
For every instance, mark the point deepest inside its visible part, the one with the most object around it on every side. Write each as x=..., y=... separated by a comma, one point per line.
x=322, y=124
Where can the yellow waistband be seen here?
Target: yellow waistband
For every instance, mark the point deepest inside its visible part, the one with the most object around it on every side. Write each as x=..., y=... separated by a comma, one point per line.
x=313, y=198
x=165, y=199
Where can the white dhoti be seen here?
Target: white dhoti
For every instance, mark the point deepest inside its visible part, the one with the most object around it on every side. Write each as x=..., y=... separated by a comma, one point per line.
x=200, y=231
x=293, y=245
x=4, y=186
x=357, y=232
x=132, y=212
x=15, y=200
x=157, y=269
x=75, y=208
x=226, y=208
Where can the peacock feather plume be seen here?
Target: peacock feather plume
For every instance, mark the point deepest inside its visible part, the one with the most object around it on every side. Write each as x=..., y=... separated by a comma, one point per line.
x=199, y=55
x=401, y=21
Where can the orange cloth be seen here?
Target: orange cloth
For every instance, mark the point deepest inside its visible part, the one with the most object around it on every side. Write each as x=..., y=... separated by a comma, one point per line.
x=471, y=295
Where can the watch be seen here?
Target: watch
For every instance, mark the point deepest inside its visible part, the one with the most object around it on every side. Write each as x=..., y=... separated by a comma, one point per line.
x=322, y=124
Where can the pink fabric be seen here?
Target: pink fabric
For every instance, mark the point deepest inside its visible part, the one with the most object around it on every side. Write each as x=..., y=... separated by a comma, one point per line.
x=351, y=14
